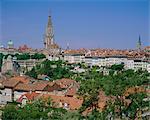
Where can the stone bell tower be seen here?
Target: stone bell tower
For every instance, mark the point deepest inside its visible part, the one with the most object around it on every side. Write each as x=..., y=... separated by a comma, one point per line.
x=49, y=35
x=49, y=43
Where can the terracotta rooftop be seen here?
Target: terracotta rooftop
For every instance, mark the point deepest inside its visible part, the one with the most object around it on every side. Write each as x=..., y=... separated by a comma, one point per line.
x=71, y=91
x=11, y=83
x=65, y=82
x=133, y=90
x=24, y=48
x=25, y=87
x=113, y=52
x=41, y=85
x=36, y=86
x=23, y=79
x=108, y=53
x=73, y=51
x=73, y=103
x=147, y=48
x=30, y=96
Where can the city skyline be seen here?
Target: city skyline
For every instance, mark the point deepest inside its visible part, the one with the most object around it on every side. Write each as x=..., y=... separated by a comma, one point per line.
x=82, y=24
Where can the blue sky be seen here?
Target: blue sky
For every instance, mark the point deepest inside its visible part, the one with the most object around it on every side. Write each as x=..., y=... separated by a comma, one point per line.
x=81, y=23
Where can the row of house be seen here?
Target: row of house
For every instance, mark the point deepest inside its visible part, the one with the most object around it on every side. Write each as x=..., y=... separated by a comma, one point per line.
x=132, y=59
x=106, y=57
x=23, y=89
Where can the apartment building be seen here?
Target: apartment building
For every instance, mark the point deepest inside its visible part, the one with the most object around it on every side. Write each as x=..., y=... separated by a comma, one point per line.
x=5, y=94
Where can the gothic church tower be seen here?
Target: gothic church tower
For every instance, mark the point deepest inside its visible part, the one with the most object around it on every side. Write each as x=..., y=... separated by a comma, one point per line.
x=139, y=44
x=51, y=48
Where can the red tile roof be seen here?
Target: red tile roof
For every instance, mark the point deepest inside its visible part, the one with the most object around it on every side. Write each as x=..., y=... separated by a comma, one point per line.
x=36, y=86
x=25, y=87
x=77, y=51
x=30, y=96
x=40, y=85
x=147, y=48
x=73, y=103
x=11, y=83
x=71, y=91
x=23, y=79
x=65, y=82
x=24, y=48
x=133, y=90
x=114, y=52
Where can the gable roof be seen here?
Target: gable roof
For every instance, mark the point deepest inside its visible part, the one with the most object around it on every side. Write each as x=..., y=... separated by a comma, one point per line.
x=23, y=79
x=11, y=83
x=25, y=87
x=53, y=87
x=40, y=85
x=29, y=96
x=36, y=86
x=65, y=82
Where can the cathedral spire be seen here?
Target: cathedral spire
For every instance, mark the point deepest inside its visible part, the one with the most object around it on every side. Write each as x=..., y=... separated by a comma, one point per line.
x=49, y=35
x=139, y=44
x=50, y=46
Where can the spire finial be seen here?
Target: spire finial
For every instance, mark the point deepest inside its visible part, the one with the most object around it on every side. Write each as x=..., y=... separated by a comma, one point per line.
x=139, y=44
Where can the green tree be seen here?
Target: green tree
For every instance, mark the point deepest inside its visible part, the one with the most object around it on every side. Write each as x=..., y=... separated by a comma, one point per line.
x=96, y=115
x=53, y=69
x=32, y=73
x=117, y=67
x=24, y=56
x=38, y=56
x=38, y=110
x=137, y=104
x=72, y=116
x=10, y=112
